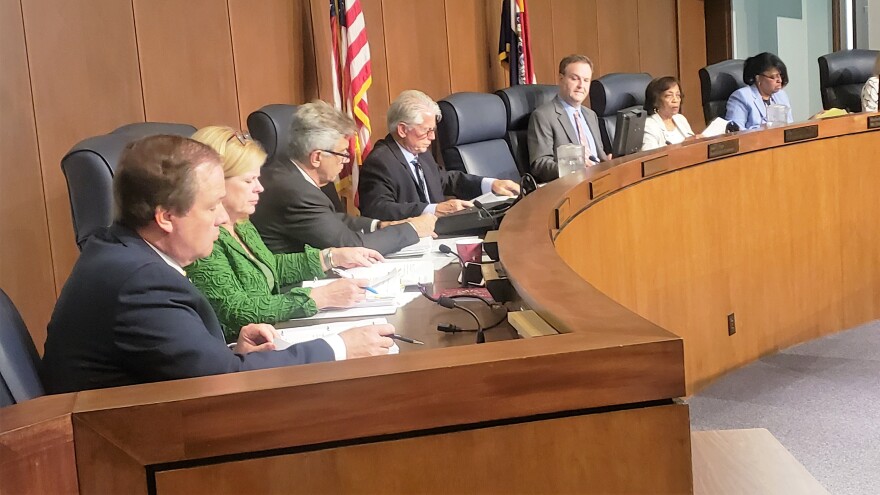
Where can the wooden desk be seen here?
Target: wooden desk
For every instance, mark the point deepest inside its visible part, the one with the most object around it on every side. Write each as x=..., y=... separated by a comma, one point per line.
x=591, y=409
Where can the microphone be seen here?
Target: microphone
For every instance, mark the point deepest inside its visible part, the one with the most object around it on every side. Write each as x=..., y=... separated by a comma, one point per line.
x=448, y=303
x=483, y=209
x=448, y=250
x=732, y=127
x=593, y=159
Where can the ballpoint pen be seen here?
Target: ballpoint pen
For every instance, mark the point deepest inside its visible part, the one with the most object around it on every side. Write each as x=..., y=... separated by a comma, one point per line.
x=344, y=274
x=406, y=339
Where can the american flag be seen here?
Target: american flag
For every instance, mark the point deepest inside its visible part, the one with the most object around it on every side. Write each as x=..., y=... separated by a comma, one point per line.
x=514, y=46
x=352, y=77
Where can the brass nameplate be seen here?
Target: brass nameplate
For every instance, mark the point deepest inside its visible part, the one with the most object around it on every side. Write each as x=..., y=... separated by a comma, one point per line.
x=655, y=166
x=874, y=122
x=723, y=148
x=602, y=185
x=801, y=133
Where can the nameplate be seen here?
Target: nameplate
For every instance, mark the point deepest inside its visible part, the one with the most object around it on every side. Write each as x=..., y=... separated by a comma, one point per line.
x=655, y=166
x=601, y=186
x=801, y=133
x=723, y=148
x=874, y=122
x=562, y=212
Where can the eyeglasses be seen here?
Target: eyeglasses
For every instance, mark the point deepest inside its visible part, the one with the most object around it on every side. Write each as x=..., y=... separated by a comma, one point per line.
x=421, y=134
x=346, y=156
x=243, y=137
x=775, y=77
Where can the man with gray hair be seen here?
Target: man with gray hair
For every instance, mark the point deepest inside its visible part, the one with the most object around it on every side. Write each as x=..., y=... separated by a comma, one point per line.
x=293, y=211
x=129, y=315
x=400, y=178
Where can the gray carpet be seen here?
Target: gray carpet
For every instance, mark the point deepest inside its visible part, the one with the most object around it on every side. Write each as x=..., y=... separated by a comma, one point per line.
x=821, y=400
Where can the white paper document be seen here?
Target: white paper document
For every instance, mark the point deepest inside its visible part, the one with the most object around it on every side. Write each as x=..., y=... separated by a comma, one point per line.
x=418, y=249
x=715, y=128
x=290, y=336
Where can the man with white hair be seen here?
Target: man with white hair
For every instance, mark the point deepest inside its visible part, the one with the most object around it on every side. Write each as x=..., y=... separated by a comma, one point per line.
x=294, y=212
x=400, y=178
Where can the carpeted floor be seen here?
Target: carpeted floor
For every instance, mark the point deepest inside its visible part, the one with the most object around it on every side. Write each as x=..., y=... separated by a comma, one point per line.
x=821, y=400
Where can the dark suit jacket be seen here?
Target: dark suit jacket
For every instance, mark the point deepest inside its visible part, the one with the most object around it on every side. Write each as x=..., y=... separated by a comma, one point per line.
x=125, y=317
x=549, y=128
x=292, y=213
x=389, y=191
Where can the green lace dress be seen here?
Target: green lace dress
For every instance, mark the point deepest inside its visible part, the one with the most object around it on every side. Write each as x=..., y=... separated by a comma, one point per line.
x=245, y=289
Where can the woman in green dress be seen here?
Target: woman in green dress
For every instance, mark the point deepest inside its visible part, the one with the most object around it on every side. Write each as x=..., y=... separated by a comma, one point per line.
x=241, y=278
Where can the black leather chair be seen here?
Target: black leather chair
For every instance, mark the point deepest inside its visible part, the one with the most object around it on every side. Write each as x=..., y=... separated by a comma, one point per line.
x=19, y=360
x=717, y=83
x=519, y=103
x=270, y=126
x=842, y=75
x=89, y=166
x=613, y=92
x=472, y=135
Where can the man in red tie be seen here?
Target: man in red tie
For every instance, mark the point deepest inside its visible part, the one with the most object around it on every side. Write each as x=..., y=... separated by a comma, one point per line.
x=564, y=120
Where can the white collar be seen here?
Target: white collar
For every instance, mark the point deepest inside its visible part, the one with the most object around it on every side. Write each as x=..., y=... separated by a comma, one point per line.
x=303, y=172
x=168, y=259
x=407, y=154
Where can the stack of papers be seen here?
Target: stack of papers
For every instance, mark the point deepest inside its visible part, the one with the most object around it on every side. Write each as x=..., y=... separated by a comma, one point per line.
x=716, y=128
x=290, y=336
x=418, y=249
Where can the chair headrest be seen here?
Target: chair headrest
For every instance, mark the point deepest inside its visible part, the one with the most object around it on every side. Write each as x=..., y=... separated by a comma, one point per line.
x=270, y=126
x=520, y=101
x=18, y=356
x=618, y=90
x=471, y=117
x=719, y=81
x=846, y=67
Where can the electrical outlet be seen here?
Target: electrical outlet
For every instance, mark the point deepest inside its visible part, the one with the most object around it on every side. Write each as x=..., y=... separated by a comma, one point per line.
x=731, y=324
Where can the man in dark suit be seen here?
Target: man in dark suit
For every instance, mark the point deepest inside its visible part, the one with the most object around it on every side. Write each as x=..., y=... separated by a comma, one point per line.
x=129, y=315
x=400, y=178
x=293, y=211
x=565, y=121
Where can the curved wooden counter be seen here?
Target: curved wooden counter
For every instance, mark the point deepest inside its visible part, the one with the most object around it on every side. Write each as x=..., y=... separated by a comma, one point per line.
x=783, y=236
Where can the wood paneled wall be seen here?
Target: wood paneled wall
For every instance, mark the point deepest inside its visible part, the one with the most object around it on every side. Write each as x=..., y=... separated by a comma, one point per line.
x=79, y=68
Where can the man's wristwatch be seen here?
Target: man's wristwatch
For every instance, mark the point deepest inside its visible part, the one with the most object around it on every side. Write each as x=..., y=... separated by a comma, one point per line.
x=327, y=255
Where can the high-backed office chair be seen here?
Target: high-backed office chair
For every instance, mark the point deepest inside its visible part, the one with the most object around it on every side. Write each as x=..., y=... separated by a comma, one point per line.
x=519, y=103
x=472, y=135
x=842, y=75
x=613, y=92
x=19, y=360
x=717, y=83
x=89, y=167
x=270, y=126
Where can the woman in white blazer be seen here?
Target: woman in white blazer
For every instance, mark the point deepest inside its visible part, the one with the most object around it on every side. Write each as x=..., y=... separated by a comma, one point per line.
x=664, y=125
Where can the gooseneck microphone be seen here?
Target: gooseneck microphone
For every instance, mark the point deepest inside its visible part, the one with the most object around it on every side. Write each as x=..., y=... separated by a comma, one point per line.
x=488, y=214
x=448, y=250
x=450, y=304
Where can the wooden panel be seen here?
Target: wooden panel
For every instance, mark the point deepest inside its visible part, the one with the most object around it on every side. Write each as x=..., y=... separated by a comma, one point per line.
x=470, y=50
x=691, y=58
x=416, y=47
x=25, y=256
x=84, y=75
x=552, y=456
x=573, y=28
x=658, y=40
x=541, y=24
x=379, y=98
x=730, y=462
x=719, y=35
x=39, y=459
x=268, y=44
x=118, y=471
x=618, y=44
x=185, y=53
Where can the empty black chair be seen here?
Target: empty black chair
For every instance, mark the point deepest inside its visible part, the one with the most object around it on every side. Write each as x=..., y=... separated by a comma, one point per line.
x=19, y=360
x=89, y=167
x=717, y=83
x=519, y=103
x=612, y=93
x=842, y=75
x=472, y=135
x=270, y=126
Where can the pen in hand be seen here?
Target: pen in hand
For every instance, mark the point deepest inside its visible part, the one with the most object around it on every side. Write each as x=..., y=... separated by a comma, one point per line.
x=405, y=339
x=344, y=274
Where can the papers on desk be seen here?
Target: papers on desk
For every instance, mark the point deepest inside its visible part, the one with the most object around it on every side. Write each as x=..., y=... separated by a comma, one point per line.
x=418, y=249
x=290, y=336
x=715, y=128
x=490, y=197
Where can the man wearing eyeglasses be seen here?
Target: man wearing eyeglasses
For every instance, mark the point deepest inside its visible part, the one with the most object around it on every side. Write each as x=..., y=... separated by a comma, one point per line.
x=293, y=211
x=401, y=179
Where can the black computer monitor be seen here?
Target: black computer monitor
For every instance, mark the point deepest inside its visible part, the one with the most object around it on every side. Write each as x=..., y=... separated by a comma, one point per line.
x=629, y=131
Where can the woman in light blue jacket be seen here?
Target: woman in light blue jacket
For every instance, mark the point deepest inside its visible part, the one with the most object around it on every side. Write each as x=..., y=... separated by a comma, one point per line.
x=765, y=75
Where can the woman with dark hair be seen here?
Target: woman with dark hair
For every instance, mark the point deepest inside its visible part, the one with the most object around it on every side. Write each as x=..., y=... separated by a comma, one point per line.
x=665, y=124
x=869, y=90
x=765, y=75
